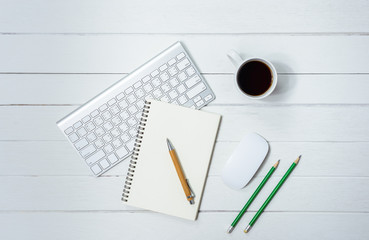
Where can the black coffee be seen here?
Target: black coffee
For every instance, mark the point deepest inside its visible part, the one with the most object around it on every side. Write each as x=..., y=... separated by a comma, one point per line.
x=254, y=78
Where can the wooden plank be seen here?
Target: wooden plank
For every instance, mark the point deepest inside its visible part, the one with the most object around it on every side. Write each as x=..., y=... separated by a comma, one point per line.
x=42, y=158
x=124, y=53
x=184, y=17
x=291, y=89
x=72, y=193
x=274, y=122
x=107, y=225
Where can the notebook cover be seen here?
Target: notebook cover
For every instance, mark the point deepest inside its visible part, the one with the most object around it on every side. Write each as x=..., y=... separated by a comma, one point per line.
x=155, y=184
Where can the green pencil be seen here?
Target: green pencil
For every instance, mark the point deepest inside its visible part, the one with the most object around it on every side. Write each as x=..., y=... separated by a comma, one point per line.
x=253, y=196
x=257, y=215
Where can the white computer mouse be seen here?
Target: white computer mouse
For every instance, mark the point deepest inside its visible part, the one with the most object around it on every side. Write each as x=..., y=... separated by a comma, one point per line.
x=245, y=161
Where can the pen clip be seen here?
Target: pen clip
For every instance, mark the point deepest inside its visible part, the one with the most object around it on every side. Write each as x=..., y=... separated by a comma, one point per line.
x=192, y=193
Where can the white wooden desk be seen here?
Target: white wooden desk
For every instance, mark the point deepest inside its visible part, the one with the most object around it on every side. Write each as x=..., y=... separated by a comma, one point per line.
x=55, y=55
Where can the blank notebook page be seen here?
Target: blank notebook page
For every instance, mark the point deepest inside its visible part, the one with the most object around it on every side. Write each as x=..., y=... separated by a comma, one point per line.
x=155, y=184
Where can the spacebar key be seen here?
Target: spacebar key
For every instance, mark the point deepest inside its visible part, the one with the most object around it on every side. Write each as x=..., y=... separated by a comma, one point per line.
x=196, y=90
x=95, y=157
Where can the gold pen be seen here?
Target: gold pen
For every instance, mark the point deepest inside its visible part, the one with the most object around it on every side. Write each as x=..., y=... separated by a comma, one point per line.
x=186, y=187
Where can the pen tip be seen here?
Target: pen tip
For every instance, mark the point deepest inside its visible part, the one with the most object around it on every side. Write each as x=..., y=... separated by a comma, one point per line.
x=247, y=229
x=297, y=160
x=276, y=164
x=230, y=229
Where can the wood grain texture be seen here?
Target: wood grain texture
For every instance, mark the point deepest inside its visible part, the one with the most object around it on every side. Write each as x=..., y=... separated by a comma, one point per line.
x=321, y=159
x=118, y=225
x=112, y=16
x=291, y=89
x=275, y=123
x=74, y=193
x=124, y=53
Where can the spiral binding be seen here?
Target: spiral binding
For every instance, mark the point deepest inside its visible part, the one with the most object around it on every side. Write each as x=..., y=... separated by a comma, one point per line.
x=136, y=150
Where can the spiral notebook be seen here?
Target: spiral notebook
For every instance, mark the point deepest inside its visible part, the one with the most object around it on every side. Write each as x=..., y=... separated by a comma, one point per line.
x=152, y=182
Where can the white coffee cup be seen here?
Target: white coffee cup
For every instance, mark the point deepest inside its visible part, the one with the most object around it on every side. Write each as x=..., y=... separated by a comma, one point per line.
x=239, y=63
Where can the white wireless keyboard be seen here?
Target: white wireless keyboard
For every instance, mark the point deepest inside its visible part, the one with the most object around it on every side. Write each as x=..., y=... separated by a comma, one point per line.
x=103, y=130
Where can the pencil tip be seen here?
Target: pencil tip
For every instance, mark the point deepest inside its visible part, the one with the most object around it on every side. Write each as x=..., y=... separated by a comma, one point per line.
x=276, y=164
x=297, y=160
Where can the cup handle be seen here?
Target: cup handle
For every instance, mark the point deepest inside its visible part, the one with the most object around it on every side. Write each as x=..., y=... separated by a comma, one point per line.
x=234, y=57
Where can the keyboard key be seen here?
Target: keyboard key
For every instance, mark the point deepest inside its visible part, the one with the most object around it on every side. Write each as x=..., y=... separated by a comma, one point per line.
x=183, y=64
x=199, y=103
x=108, y=148
x=173, y=94
x=208, y=97
x=99, y=143
x=103, y=108
x=107, y=138
x=132, y=121
x=163, y=67
x=174, y=82
x=106, y=115
x=164, y=77
x=132, y=109
x=82, y=131
x=108, y=126
x=197, y=98
x=81, y=144
x=116, y=120
x=165, y=87
x=181, y=89
x=104, y=164
x=192, y=81
x=117, y=143
x=131, y=98
x=99, y=132
x=156, y=82
x=157, y=93
x=95, y=113
x=90, y=126
x=130, y=144
x=175, y=102
x=182, y=99
x=139, y=115
x=114, y=110
x=115, y=132
x=123, y=104
x=120, y=96
x=123, y=127
x=124, y=115
x=73, y=137
x=140, y=93
x=128, y=90
x=147, y=87
x=196, y=90
x=77, y=125
x=98, y=121
x=154, y=73
x=95, y=157
x=164, y=99
x=91, y=137
x=140, y=104
x=125, y=137
x=172, y=71
x=182, y=76
x=146, y=79
x=96, y=169
x=68, y=130
x=86, y=119
x=137, y=84
x=190, y=71
x=133, y=132
x=112, y=158
x=180, y=56
x=121, y=152
x=172, y=61
x=112, y=102
x=87, y=151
